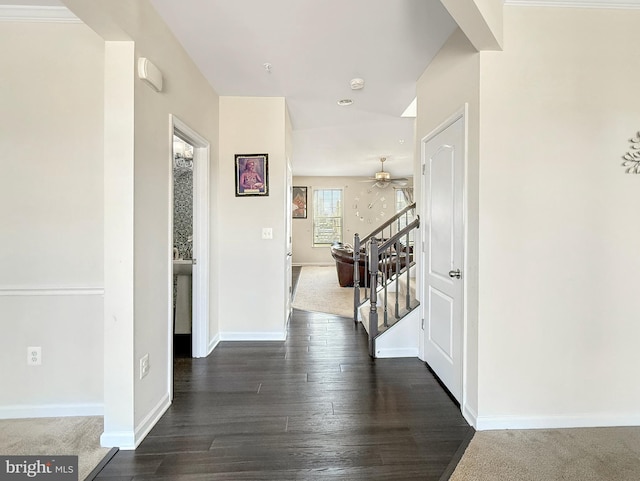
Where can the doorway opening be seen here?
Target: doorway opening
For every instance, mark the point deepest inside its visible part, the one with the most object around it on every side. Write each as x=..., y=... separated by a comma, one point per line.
x=188, y=285
x=183, y=258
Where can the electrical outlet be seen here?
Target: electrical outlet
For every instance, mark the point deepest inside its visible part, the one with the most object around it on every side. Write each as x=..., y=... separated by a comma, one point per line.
x=144, y=365
x=34, y=356
x=267, y=233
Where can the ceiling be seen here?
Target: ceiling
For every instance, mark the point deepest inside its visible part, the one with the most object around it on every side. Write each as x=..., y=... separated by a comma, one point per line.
x=315, y=48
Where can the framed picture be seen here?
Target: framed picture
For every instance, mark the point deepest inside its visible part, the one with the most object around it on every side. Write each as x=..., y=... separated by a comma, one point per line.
x=299, y=202
x=252, y=175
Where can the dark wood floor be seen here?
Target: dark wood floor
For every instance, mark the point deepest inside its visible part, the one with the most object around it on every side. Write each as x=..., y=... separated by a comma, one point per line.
x=315, y=407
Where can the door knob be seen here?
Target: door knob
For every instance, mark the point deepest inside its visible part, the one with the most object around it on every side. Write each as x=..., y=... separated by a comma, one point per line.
x=457, y=274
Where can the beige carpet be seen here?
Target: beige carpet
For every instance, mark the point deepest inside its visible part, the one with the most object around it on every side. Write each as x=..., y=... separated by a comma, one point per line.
x=55, y=436
x=318, y=290
x=586, y=454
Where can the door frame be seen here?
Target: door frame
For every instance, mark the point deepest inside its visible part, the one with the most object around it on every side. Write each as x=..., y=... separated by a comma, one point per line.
x=201, y=210
x=462, y=113
x=288, y=284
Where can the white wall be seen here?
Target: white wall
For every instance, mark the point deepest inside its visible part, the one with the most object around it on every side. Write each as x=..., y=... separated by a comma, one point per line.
x=451, y=81
x=187, y=95
x=119, y=305
x=51, y=203
x=559, y=275
x=190, y=98
x=252, y=269
x=358, y=193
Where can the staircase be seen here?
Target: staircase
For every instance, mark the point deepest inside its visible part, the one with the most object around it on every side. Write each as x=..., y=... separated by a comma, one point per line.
x=387, y=254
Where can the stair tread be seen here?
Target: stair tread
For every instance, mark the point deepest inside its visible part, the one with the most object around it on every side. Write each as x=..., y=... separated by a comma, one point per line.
x=391, y=318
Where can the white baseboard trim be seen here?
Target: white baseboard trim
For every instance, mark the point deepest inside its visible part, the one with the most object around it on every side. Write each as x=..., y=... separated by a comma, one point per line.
x=397, y=352
x=470, y=416
x=51, y=410
x=488, y=423
x=213, y=344
x=253, y=336
x=150, y=420
x=130, y=440
x=115, y=439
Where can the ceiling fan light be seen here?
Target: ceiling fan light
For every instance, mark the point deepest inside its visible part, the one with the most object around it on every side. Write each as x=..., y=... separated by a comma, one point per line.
x=383, y=176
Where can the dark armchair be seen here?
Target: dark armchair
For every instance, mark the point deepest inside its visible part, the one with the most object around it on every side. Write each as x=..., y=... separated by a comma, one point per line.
x=343, y=255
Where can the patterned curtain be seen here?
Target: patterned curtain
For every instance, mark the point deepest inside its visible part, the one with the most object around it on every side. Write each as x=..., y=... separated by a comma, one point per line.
x=408, y=194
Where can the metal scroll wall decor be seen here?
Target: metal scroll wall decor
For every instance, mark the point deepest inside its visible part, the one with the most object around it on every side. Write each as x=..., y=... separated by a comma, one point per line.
x=632, y=158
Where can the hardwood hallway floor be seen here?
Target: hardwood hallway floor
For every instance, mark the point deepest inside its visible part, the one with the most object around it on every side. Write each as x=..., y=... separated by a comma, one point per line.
x=315, y=407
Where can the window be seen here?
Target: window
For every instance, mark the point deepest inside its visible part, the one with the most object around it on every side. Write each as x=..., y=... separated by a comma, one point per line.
x=402, y=201
x=327, y=216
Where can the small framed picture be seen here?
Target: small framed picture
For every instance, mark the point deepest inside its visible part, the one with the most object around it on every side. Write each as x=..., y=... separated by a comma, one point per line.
x=299, y=202
x=252, y=175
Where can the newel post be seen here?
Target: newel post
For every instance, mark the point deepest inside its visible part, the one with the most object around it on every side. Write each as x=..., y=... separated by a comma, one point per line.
x=373, y=298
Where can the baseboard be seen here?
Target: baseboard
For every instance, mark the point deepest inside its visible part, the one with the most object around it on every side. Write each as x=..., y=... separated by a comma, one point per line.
x=51, y=410
x=397, y=352
x=253, y=336
x=470, y=416
x=130, y=440
x=488, y=423
x=150, y=420
x=213, y=344
x=116, y=439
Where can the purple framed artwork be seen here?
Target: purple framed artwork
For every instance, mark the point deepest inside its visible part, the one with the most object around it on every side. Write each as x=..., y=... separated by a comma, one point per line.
x=252, y=175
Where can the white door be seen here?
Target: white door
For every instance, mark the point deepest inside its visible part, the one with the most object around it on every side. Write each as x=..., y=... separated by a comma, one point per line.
x=443, y=186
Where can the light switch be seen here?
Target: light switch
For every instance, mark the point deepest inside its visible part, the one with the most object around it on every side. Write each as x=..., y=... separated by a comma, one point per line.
x=267, y=233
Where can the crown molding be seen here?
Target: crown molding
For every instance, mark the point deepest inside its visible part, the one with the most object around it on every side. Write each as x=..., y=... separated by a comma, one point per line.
x=615, y=4
x=24, y=13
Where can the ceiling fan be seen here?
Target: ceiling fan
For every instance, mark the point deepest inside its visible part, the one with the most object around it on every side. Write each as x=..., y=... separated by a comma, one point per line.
x=383, y=179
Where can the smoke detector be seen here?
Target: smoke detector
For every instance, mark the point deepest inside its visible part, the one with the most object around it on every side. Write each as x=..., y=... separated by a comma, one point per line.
x=357, y=84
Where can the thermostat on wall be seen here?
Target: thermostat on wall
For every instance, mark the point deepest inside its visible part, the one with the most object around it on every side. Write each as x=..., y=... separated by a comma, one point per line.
x=150, y=74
